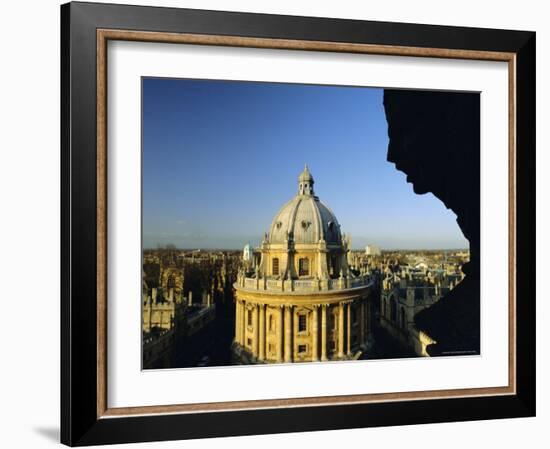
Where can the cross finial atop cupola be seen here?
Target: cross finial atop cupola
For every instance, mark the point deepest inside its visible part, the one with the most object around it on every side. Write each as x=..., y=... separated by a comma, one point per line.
x=305, y=182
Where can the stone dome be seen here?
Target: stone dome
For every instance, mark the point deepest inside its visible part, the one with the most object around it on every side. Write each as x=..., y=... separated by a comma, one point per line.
x=305, y=218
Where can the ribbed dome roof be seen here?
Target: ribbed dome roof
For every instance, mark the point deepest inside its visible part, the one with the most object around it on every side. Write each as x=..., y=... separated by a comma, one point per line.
x=305, y=217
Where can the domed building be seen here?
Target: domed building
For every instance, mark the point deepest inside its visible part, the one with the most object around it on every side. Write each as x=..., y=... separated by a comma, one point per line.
x=302, y=302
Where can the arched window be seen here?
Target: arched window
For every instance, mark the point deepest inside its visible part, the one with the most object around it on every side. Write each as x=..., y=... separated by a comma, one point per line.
x=249, y=317
x=271, y=326
x=303, y=267
x=275, y=266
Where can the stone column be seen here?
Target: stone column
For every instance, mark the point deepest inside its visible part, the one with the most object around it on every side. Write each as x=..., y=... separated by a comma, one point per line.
x=315, y=336
x=288, y=334
x=256, y=328
x=261, y=354
x=324, y=333
x=237, y=321
x=243, y=322
x=349, y=329
x=280, y=335
x=341, y=330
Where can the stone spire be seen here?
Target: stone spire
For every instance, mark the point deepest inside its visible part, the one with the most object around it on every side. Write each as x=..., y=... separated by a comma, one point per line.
x=305, y=183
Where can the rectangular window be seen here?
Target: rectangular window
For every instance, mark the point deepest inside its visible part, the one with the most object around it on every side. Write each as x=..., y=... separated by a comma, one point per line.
x=302, y=349
x=275, y=267
x=270, y=348
x=249, y=342
x=302, y=323
x=249, y=317
x=271, y=323
x=354, y=315
x=303, y=267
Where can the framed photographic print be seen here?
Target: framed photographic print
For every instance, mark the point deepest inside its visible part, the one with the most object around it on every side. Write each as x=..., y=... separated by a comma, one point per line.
x=280, y=224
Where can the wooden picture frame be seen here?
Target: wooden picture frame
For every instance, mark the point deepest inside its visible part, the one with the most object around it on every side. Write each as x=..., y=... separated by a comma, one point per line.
x=86, y=29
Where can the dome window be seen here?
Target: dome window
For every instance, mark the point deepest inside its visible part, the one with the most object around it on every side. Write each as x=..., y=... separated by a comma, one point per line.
x=303, y=267
x=306, y=224
x=275, y=266
x=279, y=224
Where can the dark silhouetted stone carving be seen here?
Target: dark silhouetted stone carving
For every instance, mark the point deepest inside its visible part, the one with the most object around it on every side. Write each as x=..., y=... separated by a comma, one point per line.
x=435, y=141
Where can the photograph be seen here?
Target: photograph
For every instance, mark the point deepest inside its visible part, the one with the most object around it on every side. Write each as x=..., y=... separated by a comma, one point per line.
x=294, y=223
x=278, y=222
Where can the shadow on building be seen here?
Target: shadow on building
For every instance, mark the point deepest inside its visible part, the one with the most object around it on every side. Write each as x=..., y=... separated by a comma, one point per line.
x=435, y=141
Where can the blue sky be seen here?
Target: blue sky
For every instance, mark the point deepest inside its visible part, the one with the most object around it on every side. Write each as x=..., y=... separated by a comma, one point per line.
x=221, y=157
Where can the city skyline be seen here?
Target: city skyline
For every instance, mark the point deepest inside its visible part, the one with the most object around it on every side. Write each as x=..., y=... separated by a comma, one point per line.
x=221, y=158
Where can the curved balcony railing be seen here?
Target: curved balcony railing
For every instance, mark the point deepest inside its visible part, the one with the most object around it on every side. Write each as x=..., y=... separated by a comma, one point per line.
x=302, y=285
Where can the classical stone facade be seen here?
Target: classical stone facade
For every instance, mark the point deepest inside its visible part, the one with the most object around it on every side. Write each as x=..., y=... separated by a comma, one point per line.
x=301, y=302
